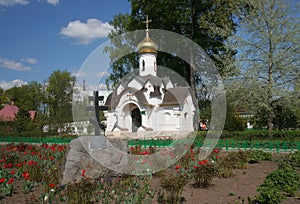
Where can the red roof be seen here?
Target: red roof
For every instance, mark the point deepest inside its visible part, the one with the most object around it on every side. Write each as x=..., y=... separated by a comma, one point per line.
x=8, y=113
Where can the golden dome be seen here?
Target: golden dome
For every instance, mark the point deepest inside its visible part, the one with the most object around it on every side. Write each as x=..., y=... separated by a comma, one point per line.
x=147, y=45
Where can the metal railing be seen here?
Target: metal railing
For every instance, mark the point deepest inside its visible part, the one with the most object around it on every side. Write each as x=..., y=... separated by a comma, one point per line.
x=226, y=144
x=53, y=140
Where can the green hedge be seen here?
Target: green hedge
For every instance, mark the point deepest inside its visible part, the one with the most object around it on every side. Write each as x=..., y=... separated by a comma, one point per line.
x=289, y=135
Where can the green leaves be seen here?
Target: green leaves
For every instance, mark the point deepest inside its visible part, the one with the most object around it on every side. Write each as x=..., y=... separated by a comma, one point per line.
x=268, y=56
x=280, y=183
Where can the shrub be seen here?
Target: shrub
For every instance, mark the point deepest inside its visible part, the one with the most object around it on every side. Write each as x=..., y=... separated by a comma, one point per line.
x=172, y=186
x=203, y=175
x=240, y=159
x=269, y=194
x=293, y=159
x=257, y=156
x=280, y=183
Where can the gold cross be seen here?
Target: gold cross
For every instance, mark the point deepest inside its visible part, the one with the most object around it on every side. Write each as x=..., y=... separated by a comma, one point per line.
x=147, y=22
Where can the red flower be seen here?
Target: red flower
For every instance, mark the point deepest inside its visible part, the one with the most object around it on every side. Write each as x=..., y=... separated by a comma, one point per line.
x=10, y=181
x=82, y=172
x=19, y=165
x=195, y=166
x=216, y=151
x=2, y=180
x=32, y=163
x=145, y=152
x=200, y=162
x=8, y=165
x=177, y=167
x=217, y=157
x=12, y=172
x=26, y=175
x=52, y=185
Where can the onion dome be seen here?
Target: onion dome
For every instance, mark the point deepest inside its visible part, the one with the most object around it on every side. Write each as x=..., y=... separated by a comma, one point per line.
x=147, y=45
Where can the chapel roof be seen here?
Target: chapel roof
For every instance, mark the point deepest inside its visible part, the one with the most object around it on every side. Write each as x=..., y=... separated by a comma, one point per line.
x=157, y=81
x=113, y=99
x=177, y=96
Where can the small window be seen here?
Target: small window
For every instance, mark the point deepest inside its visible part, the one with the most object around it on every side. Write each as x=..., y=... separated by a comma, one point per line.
x=155, y=66
x=167, y=116
x=185, y=115
x=143, y=63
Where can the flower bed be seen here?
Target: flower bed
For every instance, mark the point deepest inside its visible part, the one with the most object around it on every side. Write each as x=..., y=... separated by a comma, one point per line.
x=33, y=172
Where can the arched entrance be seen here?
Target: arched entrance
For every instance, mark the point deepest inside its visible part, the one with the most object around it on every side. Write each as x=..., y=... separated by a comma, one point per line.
x=136, y=119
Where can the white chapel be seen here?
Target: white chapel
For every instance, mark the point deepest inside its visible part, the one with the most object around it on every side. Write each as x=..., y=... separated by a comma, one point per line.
x=148, y=105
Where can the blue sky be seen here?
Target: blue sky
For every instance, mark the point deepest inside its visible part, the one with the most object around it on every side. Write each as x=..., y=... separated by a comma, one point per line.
x=40, y=36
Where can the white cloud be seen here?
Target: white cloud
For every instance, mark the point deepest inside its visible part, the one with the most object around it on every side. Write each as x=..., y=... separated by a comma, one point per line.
x=10, y=64
x=9, y=84
x=85, y=33
x=13, y=2
x=79, y=73
x=53, y=2
x=29, y=60
x=102, y=87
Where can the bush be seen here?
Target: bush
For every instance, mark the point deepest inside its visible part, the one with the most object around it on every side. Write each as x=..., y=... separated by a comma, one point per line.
x=280, y=183
x=204, y=174
x=293, y=159
x=257, y=156
x=290, y=135
x=173, y=186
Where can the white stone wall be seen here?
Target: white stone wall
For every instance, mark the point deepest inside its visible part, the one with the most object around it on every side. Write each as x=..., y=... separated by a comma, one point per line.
x=150, y=66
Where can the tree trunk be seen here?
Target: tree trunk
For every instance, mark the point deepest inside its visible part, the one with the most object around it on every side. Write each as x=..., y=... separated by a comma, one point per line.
x=193, y=28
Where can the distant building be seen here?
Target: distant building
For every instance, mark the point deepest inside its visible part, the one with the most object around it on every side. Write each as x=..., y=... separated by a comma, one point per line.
x=9, y=112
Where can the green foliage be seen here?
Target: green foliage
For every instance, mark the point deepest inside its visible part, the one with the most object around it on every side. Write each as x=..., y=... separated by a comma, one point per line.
x=240, y=159
x=291, y=135
x=204, y=174
x=208, y=24
x=269, y=194
x=284, y=116
x=233, y=121
x=60, y=93
x=256, y=156
x=293, y=159
x=232, y=161
x=172, y=186
x=268, y=57
x=280, y=183
x=80, y=192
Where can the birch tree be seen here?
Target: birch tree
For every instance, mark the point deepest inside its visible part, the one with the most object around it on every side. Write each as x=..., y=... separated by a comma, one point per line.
x=268, y=57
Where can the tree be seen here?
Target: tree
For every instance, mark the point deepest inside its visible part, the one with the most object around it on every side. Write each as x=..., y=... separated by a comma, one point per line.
x=208, y=23
x=28, y=96
x=268, y=58
x=2, y=98
x=60, y=93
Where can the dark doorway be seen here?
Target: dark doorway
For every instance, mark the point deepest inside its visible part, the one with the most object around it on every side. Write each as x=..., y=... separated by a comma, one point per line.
x=136, y=119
